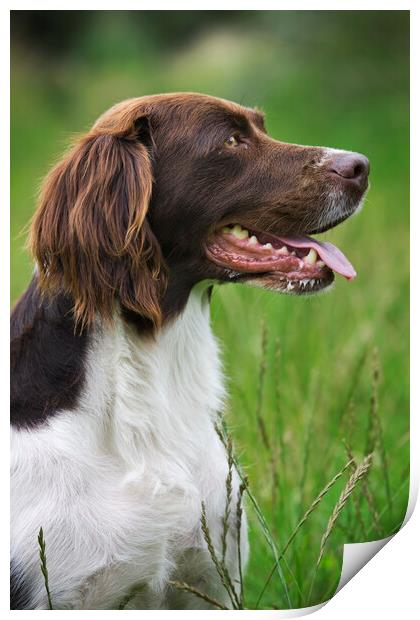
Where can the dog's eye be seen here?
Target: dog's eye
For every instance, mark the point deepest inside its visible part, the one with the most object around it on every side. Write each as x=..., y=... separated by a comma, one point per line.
x=232, y=141
x=235, y=141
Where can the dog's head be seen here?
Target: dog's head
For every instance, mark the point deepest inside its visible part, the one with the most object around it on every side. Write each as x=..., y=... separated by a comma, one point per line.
x=168, y=190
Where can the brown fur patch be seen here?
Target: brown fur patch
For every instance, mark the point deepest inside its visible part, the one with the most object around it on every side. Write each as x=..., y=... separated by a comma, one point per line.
x=89, y=233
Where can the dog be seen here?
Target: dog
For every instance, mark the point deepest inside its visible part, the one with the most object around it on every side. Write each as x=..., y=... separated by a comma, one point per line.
x=116, y=379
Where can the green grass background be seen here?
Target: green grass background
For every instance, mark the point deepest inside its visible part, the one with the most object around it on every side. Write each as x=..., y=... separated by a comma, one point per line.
x=325, y=78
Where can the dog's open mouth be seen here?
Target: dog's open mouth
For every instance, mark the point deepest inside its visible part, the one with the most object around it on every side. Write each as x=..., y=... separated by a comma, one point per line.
x=292, y=264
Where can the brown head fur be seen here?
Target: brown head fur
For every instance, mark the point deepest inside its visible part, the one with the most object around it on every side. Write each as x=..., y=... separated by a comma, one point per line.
x=104, y=237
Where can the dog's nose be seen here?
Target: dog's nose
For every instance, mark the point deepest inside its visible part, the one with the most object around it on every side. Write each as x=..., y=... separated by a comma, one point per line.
x=352, y=166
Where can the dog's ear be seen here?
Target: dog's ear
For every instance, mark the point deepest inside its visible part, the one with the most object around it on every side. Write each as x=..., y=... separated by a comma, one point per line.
x=90, y=235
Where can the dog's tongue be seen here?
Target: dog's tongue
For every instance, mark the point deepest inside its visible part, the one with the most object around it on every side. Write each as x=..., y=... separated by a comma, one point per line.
x=331, y=255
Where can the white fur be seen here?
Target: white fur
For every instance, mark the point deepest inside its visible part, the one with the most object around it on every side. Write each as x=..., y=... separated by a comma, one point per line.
x=117, y=484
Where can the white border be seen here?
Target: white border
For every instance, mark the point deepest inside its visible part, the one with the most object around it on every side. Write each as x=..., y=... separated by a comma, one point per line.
x=387, y=585
x=298, y=5
x=4, y=306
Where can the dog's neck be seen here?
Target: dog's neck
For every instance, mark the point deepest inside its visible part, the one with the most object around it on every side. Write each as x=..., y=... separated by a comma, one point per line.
x=162, y=388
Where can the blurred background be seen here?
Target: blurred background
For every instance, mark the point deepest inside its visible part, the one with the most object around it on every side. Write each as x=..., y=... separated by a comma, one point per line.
x=304, y=373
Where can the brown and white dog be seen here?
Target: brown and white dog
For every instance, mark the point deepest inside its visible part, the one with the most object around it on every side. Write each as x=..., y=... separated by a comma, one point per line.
x=116, y=381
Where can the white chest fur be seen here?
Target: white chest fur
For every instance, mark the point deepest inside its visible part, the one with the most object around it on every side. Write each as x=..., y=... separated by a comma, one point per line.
x=117, y=485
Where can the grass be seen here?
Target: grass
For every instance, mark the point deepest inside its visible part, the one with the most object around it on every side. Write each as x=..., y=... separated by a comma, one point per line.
x=321, y=370
x=43, y=565
x=305, y=520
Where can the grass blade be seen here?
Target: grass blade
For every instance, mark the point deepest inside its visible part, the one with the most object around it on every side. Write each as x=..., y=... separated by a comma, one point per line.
x=265, y=529
x=355, y=380
x=379, y=438
x=315, y=385
x=220, y=566
x=278, y=451
x=367, y=493
x=356, y=498
x=311, y=508
x=135, y=590
x=260, y=390
x=44, y=569
x=358, y=475
x=239, y=511
x=271, y=543
x=228, y=484
x=181, y=585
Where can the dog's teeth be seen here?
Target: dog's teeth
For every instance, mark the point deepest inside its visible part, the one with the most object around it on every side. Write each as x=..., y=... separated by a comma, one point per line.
x=320, y=263
x=253, y=240
x=283, y=250
x=311, y=257
x=293, y=253
x=290, y=286
x=268, y=246
x=226, y=229
x=239, y=232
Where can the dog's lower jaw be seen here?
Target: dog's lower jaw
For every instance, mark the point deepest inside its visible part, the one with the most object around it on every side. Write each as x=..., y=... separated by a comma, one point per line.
x=118, y=483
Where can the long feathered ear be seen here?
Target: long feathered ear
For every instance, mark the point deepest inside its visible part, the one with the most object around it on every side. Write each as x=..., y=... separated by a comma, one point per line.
x=90, y=235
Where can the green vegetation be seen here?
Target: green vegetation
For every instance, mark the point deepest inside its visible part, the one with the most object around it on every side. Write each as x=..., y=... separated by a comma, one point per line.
x=305, y=374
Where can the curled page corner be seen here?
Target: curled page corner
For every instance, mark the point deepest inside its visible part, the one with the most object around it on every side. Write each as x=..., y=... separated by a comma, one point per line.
x=356, y=556
x=305, y=611
x=295, y=613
